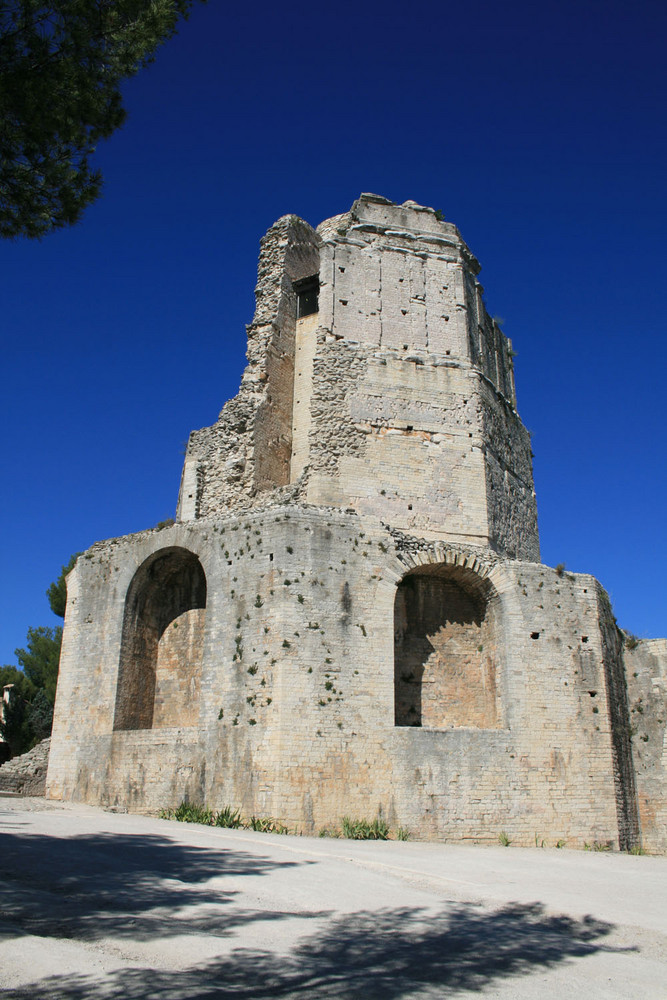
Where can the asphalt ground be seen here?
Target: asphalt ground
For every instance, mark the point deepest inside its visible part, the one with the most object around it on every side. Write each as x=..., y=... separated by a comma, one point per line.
x=102, y=906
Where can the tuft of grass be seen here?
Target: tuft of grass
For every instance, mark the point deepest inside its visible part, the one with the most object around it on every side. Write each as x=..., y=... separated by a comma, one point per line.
x=228, y=818
x=363, y=829
x=503, y=839
x=402, y=833
x=560, y=844
x=637, y=850
x=189, y=813
x=265, y=824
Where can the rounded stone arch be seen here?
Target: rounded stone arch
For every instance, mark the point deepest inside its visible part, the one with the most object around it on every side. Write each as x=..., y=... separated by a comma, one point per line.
x=162, y=642
x=448, y=642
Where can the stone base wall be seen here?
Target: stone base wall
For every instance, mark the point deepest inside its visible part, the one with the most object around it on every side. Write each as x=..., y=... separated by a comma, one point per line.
x=296, y=714
x=646, y=671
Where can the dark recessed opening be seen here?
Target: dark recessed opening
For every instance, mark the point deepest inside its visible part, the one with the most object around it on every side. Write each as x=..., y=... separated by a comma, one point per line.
x=307, y=295
x=534, y=635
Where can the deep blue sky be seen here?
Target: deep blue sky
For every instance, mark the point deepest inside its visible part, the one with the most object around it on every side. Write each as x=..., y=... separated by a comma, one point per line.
x=538, y=128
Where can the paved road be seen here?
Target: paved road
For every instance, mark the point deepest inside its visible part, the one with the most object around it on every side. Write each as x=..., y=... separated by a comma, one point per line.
x=97, y=906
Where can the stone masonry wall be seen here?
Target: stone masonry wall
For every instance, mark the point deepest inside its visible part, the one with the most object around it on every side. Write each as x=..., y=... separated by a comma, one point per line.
x=646, y=672
x=402, y=378
x=349, y=616
x=248, y=450
x=412, y=415
x=296, y=717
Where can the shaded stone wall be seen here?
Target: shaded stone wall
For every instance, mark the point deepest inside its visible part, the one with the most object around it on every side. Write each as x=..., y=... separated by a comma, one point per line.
x=646, y=672
x=161, y=646
x=445, y=653
x=617, y=710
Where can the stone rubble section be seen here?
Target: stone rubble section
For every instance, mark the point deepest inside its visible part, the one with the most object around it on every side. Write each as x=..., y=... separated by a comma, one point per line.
x=349, y=615
x=26, y=774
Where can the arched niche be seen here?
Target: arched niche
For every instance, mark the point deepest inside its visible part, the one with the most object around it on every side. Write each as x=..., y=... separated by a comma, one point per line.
x=446, y=649
x=162, y=643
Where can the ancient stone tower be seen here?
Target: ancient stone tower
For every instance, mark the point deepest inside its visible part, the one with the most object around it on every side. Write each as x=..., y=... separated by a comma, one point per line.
x=349, y=615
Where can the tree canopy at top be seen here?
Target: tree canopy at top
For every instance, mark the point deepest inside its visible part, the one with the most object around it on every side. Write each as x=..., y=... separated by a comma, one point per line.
x=61, y=65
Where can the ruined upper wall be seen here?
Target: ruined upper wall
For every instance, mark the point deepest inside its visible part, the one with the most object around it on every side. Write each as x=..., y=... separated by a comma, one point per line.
x=395, y=397
x=399, y=276
x=247, y=451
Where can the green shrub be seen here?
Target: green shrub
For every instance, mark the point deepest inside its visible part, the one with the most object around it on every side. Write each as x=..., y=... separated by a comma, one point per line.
x=362, y=829
x=228, y=818
x=264, y=824
x=189, y=813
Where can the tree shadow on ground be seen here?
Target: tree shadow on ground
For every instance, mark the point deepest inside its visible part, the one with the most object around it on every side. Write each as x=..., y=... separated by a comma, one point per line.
x=125, y=886
x=386, y=955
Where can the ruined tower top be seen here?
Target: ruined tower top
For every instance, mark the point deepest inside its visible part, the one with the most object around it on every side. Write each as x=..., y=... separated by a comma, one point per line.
x=376, y=382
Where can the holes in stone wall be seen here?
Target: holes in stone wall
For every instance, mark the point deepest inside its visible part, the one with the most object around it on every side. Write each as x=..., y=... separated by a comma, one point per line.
x=445, y=650
x=534, y=635
x=162, y=643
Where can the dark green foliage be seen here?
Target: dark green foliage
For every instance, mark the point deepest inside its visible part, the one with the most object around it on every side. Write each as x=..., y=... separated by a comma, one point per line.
x=227, y=818
x=23, y=686
x=61, y=68
x=15, y=727
x=29, y=714
x=41, y=658
x=57, y=592
x=40, y=716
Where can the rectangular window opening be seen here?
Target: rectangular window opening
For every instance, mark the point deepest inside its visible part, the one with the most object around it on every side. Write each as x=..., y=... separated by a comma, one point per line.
x=307, y=295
